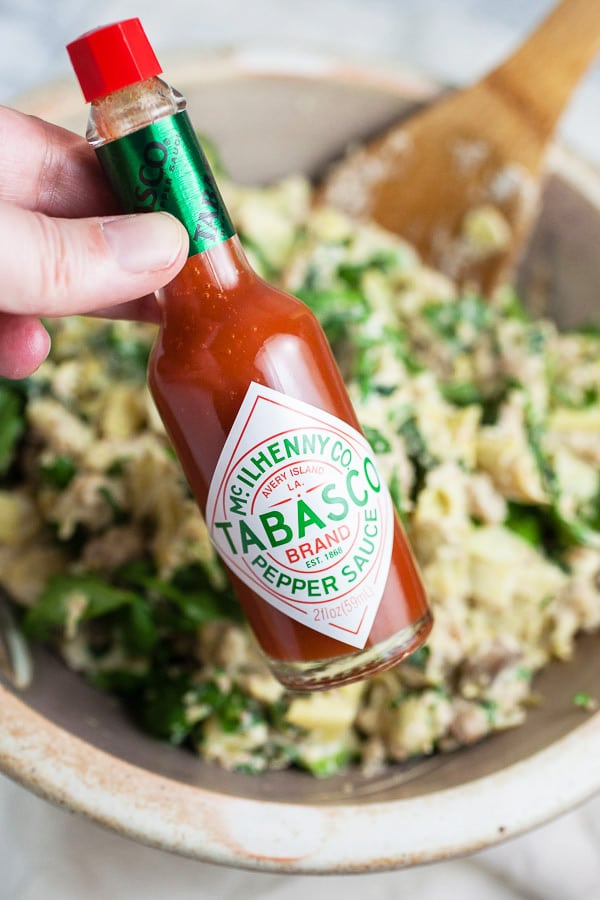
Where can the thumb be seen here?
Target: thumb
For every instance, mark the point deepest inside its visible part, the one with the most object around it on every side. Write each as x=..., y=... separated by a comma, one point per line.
x=56, y=267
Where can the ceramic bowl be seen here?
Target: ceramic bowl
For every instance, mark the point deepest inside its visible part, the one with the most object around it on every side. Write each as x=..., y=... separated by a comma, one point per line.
x=73, y=745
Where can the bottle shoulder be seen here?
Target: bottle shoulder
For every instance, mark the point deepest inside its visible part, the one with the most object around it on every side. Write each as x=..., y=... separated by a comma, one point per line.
x=233, y=292
x=234, y=329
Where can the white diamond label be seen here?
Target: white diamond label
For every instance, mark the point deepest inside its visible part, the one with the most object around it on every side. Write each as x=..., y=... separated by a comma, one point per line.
x=298, y=510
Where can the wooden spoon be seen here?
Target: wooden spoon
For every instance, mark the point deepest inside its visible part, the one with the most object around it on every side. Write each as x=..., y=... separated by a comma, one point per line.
x=461, y=179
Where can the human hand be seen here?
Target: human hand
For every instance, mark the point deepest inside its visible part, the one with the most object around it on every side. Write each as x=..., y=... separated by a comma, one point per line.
x=63, y=247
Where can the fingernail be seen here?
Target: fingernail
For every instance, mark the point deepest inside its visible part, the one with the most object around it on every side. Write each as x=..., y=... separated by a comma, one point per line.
x=144, y=243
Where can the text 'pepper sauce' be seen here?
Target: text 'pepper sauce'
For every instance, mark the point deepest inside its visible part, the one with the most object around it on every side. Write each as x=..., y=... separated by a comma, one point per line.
x=254, y=404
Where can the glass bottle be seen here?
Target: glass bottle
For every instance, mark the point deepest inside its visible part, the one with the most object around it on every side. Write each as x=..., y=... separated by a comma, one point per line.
x=254, y=404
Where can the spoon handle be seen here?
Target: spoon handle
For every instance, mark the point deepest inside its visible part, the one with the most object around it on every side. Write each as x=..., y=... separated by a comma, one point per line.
x=540, y=76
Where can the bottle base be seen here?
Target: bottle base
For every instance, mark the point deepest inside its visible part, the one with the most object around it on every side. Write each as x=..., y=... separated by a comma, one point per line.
x=321, y=674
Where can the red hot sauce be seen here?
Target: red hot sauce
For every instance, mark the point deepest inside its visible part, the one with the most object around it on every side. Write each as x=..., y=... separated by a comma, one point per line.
x=254, y=405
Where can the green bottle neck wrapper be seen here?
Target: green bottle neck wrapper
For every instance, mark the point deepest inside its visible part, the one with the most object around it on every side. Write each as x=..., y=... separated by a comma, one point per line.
x=163, y=167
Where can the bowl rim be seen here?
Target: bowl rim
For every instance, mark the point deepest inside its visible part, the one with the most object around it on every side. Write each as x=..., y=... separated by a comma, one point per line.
x=281, y=836
x=290, y=837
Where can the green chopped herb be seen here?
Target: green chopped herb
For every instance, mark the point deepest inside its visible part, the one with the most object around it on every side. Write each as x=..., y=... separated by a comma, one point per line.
x=449, y=319
x=535, y=429
x=352, y=273
x=189, y=593
x=512, y=305
x=140, y=632
x=377, y=440
x=462, y=393
x=59, y=471
x=419, y=658
x=119, y=681
x=417, y=451
x=523, y=673
x=117, y=467
x=584, y=528
x=329, y=764
x=589, y=397
x=120, y=515
x=237, y=711
x=491, y=710
x=525, y=521
x=52, y=609
x=585, y=701
x=414, y=442
x=365, y=358
x=162, y=709
x=337, y=311
x=12, y=423
x=536, y=339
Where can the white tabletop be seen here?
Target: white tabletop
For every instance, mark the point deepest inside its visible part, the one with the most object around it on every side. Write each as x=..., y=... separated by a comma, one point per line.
x=48, y=854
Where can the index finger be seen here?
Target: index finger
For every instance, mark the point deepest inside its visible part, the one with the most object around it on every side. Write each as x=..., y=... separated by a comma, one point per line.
x=49, y=169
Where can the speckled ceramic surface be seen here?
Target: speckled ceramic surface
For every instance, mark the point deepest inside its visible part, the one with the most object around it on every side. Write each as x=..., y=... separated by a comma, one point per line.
x=72, y=745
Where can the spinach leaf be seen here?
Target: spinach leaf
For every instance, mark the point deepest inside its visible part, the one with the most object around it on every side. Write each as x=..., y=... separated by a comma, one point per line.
x=448, y=320
x=535, y=431
x=59, y=471
x=164, y=707
x=582, y=529
x=237, y=711
x=379, y=443
x=417, y=451
x=139, y=628
x=352, y=273
x=188, y=594
x=119, y=681
x=462, y=393
x=467, y=393
x=525, y=521
x=337, y=310
x=330, y=763
x=161, y=709
x=536, y=338
x=53, y=606
x=12, y=423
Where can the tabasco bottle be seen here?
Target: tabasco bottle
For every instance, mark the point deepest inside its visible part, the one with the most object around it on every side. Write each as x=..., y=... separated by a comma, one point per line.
x=254, y=404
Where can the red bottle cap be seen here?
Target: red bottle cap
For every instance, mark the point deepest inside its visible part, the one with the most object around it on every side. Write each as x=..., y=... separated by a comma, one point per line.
x=112, y=57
